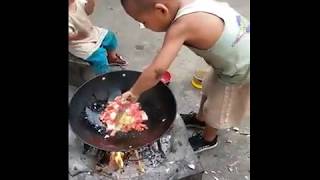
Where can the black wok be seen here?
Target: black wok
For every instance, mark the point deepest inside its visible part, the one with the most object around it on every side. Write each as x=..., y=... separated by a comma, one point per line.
x=158, y=102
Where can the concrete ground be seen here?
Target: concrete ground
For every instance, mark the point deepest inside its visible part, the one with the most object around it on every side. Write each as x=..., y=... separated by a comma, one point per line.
x=229, y=161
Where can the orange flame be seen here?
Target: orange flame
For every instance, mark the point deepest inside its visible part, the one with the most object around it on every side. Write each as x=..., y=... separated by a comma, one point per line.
x=116, y=159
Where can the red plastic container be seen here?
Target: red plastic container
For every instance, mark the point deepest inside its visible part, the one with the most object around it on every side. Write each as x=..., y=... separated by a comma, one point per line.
x=166, y=78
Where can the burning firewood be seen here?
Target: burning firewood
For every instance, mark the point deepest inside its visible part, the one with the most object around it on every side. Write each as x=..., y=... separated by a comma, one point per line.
x=116, y=160
x=140, y=164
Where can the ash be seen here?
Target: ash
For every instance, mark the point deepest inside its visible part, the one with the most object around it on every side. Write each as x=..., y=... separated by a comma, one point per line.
x=153, y=155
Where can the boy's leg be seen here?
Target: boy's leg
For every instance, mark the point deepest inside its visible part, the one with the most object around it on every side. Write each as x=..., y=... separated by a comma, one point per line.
x=194, y=120
x=208, y=140
x=209, y=133
x=200, y=112
x=110, y=43
x=225, y=107
x=99, y=61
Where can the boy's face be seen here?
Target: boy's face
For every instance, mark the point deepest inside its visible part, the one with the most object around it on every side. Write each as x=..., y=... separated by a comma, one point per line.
x=156, y=19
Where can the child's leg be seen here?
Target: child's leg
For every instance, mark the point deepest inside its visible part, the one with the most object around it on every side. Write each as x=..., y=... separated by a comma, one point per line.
x=110, y=43
x=194, y=120
x=209, y=139
x=99, y=61
x=200, y=112
x=209, y=133
x=225, y=107
x=112, y=55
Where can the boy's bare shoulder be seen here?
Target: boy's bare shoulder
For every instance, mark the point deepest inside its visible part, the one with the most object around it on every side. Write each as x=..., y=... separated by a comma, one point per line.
x=180, y=25
x=201, y=29
x=198, y=19
x=177, y=27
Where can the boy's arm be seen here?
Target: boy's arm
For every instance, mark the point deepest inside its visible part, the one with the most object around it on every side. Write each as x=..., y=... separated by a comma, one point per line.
x=174, y=39
x=89, y=6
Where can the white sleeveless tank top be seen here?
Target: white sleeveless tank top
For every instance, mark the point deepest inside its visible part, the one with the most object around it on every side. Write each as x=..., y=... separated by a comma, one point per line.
x=230, y=55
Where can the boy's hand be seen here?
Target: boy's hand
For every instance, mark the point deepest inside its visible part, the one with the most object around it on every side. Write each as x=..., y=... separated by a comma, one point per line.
x=129, y=96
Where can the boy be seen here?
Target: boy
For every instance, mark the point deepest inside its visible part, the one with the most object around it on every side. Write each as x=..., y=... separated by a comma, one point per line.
x=88, y=42
x=214, y=31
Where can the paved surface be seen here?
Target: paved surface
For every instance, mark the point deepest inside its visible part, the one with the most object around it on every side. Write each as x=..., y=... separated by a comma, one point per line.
x=229, y=161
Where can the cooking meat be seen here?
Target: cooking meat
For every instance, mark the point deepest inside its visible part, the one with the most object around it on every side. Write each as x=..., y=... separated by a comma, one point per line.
x=123, y=116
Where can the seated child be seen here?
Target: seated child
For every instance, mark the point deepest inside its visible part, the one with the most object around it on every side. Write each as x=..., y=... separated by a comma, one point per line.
x=91, y=43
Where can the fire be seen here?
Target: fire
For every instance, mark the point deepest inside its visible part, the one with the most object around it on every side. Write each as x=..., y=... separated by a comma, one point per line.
x=140, y=165
x=116, y=160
